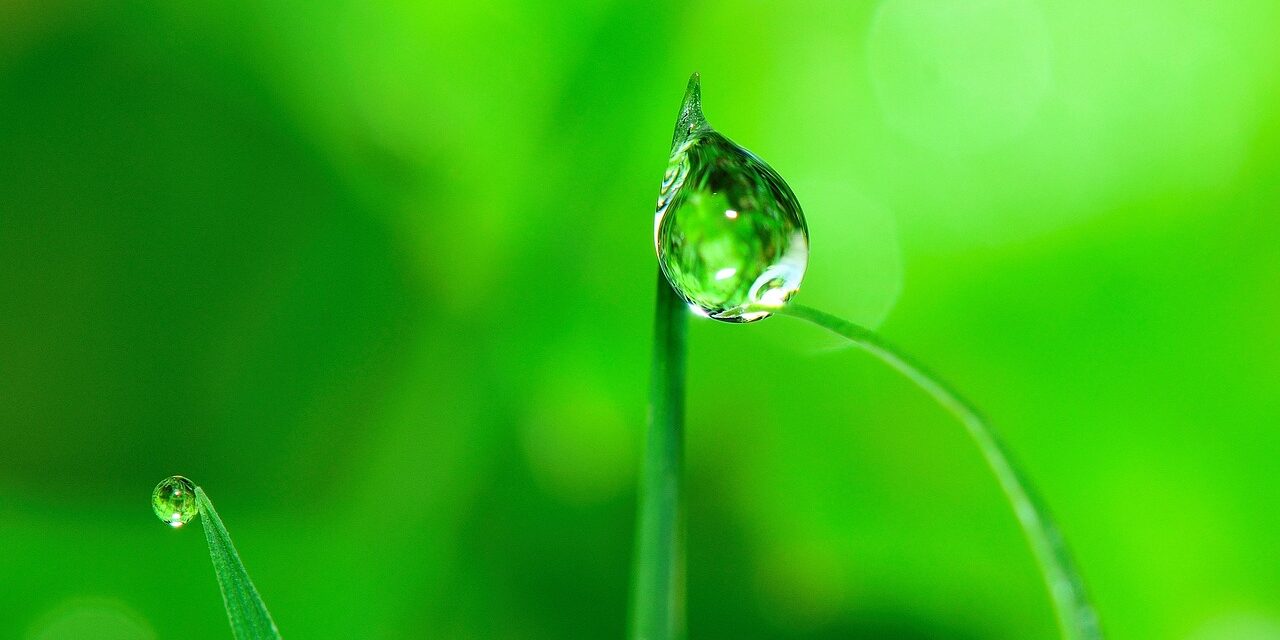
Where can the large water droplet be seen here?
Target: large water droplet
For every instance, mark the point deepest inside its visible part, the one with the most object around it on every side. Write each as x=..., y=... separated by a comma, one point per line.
x=174, y=501
x=730, y=235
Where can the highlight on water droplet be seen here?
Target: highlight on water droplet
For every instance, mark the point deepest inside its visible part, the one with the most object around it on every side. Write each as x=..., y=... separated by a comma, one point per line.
x=730, y=235
x=174, y=501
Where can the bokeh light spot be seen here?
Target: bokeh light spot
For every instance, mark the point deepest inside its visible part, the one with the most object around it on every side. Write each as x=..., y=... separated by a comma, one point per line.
x=99, y=619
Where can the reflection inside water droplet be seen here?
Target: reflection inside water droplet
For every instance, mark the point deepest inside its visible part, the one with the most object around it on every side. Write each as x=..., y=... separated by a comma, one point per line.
x=729, y=233
x=174, y=501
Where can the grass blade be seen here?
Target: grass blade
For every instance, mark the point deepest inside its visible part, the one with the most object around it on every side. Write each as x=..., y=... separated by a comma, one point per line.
x=245, y=609
x=657, y=607
x=1076, y=617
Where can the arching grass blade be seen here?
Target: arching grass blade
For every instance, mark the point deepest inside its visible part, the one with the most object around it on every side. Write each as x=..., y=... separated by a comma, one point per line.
x=1076, y=617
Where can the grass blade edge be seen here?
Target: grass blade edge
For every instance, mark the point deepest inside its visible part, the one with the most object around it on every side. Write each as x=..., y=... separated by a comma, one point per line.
x=658, y=594
x=246, y=611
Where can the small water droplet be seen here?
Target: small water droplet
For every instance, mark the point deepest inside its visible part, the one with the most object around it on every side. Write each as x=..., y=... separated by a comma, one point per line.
x=730, y=234
x=174, y=501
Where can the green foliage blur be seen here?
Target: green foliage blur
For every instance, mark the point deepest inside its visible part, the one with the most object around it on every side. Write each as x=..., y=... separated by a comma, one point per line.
x=379, y=277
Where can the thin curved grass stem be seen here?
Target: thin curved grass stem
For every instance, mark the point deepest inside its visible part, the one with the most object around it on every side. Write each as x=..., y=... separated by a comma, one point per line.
x=1076, y=617
x=658, y=594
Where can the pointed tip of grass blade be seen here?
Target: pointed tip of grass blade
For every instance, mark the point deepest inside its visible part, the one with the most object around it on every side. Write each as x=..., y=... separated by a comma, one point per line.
x=695, y=86
x=246, y=611
x=690, y=118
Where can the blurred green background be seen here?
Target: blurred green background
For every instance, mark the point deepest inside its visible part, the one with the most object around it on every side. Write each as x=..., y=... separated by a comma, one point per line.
x=379, y=276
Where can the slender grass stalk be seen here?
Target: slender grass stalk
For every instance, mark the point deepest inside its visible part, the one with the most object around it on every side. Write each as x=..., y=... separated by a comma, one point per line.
x=1076, y=617
x=658, y=594
x=245, y=610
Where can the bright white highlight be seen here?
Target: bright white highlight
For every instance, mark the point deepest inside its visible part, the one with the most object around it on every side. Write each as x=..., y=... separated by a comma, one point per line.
x=774, y=297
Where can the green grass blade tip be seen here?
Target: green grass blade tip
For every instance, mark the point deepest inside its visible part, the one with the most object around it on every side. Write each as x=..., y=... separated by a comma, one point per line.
x=245, y=610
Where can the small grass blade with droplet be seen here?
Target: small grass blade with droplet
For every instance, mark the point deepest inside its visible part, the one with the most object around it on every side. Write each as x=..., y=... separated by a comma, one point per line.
x=245, y=610
x=1076, y=617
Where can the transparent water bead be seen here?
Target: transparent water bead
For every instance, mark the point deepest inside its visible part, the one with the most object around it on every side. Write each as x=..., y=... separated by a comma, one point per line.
x=730, y=235
x=174, y=501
